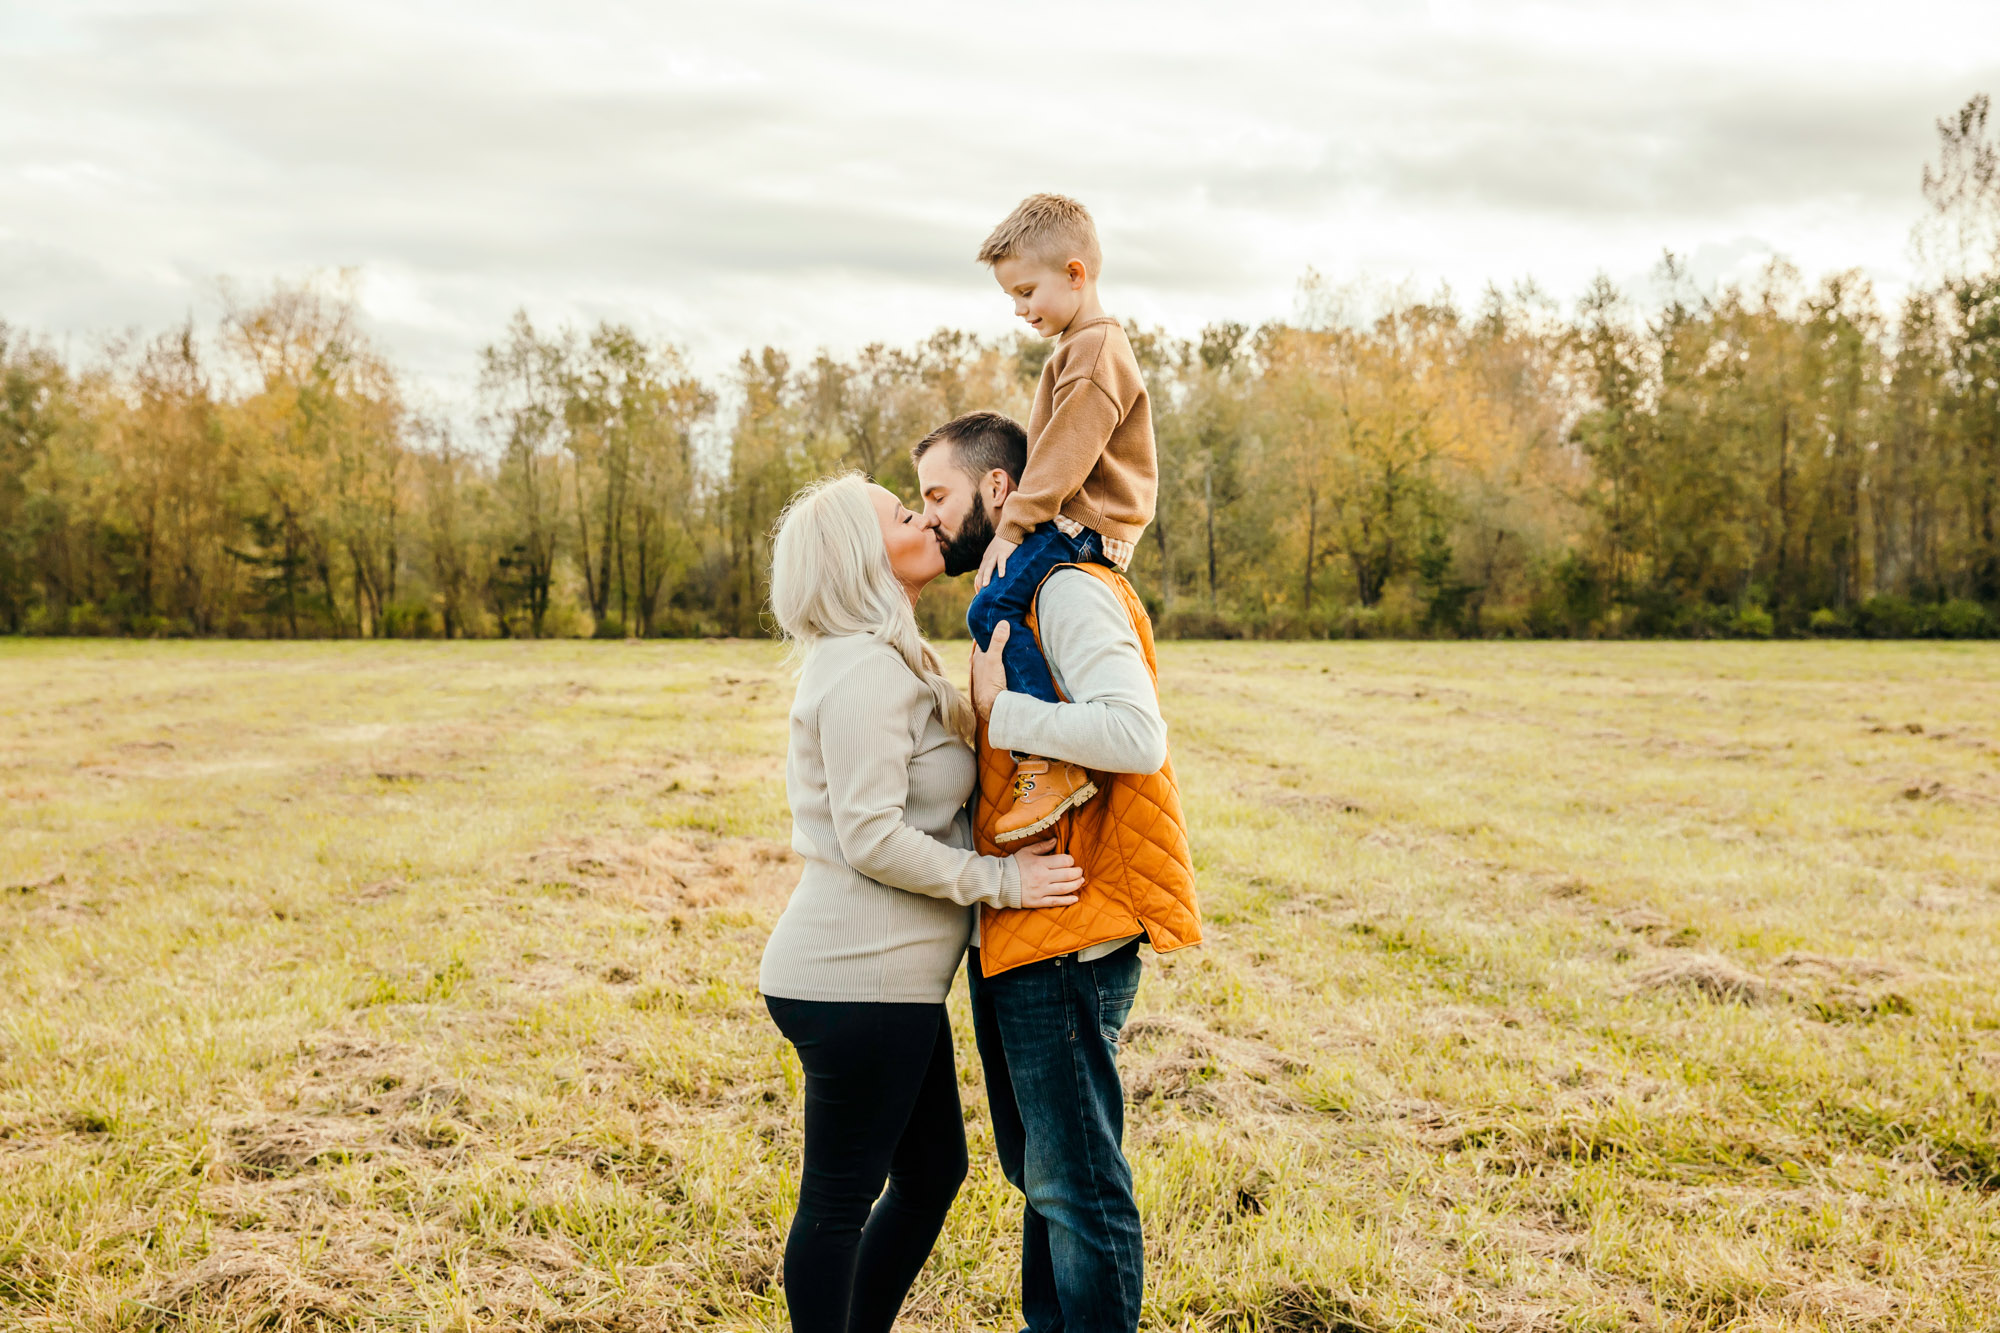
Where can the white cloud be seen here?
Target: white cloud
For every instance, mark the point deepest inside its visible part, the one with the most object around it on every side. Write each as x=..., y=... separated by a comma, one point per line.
x=808, y=174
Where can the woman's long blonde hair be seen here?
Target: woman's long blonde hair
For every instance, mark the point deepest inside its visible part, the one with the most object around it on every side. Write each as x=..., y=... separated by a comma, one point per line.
x=830, y=577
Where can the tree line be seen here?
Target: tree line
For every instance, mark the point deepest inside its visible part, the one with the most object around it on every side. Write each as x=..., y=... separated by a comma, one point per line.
x=1776, y=457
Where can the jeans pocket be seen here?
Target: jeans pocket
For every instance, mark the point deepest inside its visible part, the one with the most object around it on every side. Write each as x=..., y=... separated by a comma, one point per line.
x=1111, y=1017
x=1117, y=988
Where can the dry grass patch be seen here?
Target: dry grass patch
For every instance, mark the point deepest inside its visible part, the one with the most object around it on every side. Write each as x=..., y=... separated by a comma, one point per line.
x=665, y=872
x=1708, y=975
x=1179, y=1060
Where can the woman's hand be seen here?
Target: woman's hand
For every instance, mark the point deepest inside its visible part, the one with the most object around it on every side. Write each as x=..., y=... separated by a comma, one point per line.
x=1048, y=878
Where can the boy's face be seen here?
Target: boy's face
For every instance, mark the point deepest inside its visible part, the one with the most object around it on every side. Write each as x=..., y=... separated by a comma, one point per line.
x=1046, y=295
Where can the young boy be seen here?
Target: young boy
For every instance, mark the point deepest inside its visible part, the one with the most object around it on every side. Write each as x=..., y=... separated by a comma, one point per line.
x=1088, y=490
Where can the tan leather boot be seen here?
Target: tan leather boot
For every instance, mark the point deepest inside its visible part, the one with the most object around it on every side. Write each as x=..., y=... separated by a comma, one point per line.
x=1043, y=789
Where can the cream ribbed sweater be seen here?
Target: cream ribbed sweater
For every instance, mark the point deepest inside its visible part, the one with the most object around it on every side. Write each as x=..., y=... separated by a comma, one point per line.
x=877, y=787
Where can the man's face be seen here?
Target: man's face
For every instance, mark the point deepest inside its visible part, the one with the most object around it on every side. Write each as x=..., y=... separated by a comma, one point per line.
x=962, y=507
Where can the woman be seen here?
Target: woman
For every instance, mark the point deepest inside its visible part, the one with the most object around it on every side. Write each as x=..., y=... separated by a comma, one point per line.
x=878, y=771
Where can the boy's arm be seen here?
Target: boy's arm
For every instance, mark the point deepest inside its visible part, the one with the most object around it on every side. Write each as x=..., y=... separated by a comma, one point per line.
x=1080, y=425
x=1113, y=722
x=993, y=564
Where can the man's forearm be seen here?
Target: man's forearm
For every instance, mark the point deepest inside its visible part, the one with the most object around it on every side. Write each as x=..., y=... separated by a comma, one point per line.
x=1113, y=723
x=1109, y=735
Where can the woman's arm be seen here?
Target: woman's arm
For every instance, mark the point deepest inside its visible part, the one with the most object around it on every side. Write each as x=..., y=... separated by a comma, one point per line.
x=866, y=743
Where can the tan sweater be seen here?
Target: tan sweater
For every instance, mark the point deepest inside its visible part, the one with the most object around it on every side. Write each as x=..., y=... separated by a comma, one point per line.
x=1090, y=440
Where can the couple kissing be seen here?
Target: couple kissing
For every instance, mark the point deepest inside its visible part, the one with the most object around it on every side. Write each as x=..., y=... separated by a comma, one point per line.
x=901, y=790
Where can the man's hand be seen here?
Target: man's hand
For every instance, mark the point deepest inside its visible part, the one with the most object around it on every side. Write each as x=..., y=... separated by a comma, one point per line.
x=993, y=565
x=989, y=674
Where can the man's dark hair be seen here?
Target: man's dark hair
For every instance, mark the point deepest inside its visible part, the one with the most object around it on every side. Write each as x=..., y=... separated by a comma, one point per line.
x=980, y=441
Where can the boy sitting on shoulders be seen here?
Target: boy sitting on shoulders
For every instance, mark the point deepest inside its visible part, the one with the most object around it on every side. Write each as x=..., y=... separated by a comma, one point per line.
x=1089, y=487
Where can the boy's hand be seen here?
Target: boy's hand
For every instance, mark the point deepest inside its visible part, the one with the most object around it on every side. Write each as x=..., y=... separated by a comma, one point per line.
x=993, y=564
x=989, y=674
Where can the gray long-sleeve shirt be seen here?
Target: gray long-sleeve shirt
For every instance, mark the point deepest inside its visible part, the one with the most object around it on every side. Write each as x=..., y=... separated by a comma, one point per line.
x=877, y=786
x=1112, y=723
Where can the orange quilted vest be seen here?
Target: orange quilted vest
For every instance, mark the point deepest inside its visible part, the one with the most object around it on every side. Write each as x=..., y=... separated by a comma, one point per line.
x=1130, y=839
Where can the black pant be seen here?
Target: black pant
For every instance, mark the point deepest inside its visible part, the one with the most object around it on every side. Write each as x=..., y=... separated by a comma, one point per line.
x=881, y=1105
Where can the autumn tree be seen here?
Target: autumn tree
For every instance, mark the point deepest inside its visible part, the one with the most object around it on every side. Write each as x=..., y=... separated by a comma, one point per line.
x=521, y=391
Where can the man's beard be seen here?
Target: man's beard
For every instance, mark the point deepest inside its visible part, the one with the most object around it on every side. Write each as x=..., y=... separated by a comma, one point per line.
x=963, y=553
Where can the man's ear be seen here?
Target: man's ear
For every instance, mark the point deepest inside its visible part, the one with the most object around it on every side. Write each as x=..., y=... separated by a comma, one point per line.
x=995, y=487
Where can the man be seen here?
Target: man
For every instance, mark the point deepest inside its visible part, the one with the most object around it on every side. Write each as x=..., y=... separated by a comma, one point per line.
x=1052, y=988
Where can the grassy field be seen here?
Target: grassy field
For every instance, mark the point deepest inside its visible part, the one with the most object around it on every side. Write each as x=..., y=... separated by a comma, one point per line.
x=1557, y=986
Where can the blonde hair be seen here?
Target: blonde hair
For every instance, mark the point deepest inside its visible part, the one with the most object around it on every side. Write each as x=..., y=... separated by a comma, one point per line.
x=1053, y=228
x=830, y=577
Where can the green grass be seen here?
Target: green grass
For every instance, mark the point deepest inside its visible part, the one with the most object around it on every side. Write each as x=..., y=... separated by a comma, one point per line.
x=1552, y=986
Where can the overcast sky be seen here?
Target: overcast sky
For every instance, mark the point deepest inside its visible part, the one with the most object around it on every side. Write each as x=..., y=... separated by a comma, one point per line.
x=818, y=174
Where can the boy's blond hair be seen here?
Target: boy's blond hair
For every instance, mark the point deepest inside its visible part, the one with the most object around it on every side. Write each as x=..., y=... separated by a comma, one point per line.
x=1053, y=228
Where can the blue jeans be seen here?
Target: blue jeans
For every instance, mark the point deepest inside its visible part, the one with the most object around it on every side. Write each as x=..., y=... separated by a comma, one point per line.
x=1048, y=1040
x=1011, y=596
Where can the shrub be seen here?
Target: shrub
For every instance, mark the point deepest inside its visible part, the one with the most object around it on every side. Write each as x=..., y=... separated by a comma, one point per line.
x=1890, y=617
x=1961, y=618
x=1696, y=620
x=84, y=618
x=1202, y=624
x=1505, y=622
x=1569, y=599
x=1752, y=622
x=408, y=620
